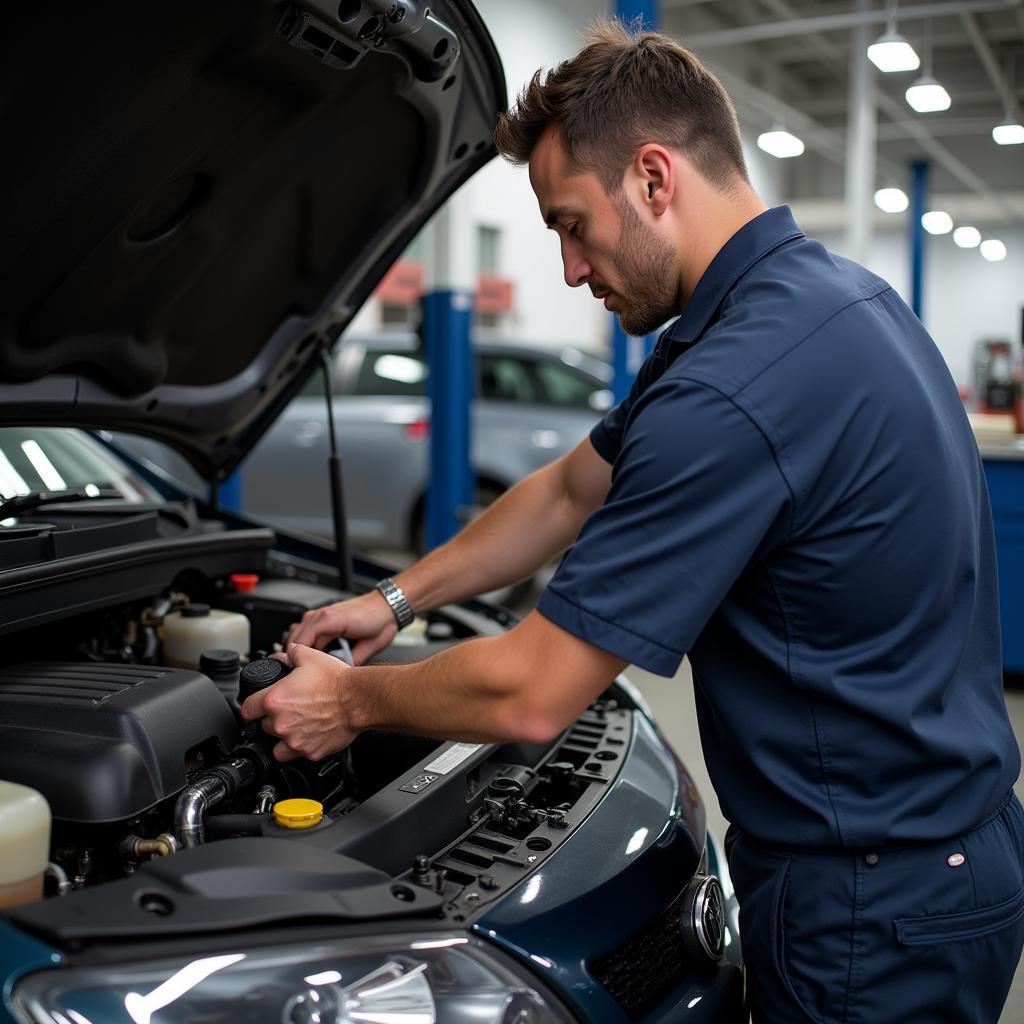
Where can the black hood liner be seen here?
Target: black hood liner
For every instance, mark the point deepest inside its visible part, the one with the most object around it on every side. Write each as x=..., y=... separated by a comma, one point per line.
x=192, y=205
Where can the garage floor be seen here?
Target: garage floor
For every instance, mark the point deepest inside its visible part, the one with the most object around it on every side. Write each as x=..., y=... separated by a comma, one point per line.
x=672, y=703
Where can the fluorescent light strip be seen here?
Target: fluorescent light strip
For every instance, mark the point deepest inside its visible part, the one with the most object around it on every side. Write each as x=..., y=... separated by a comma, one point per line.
x=11, y=481
x=47, y=471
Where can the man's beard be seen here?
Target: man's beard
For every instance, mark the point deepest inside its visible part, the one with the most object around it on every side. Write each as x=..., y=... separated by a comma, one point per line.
x=648, y=279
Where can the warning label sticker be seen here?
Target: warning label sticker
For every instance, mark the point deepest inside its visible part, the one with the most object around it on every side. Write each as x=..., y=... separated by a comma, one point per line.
x=452, y=757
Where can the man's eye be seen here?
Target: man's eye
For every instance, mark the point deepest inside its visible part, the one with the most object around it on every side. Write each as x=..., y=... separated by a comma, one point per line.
x=573, y=230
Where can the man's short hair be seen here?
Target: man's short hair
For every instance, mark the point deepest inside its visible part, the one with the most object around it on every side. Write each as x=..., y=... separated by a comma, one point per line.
x=624, y=89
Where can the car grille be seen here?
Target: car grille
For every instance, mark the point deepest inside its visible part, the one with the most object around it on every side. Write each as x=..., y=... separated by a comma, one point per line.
x=642, y=970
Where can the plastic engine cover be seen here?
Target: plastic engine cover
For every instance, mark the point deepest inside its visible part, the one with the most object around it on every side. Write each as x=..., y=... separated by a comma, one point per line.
x=105, y=742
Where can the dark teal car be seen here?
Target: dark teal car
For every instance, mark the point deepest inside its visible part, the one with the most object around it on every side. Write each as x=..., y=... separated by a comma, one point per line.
x=191, y=220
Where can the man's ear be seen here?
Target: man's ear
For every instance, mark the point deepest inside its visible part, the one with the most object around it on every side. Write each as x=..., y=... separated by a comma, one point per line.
x=654, y=167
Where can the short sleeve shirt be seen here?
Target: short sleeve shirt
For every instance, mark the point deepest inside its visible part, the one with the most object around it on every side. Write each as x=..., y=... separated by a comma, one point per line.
x=798, y=503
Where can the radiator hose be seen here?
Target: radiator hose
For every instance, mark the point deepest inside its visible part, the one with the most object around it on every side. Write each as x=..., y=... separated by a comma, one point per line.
x=210, y=789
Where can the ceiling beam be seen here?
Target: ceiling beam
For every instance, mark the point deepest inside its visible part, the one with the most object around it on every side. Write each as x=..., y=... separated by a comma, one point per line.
x=942, y=156
x=834, y=105
x=951, y=128
x=802, y=26
x=991, y=65
x=898, y=114
x=796, y=52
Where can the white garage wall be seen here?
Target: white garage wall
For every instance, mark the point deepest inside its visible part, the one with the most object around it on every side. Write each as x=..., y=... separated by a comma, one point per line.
x=531, y=34
x=966, y=298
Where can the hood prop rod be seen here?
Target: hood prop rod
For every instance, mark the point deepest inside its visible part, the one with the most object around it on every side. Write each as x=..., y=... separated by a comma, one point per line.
x=341, y=545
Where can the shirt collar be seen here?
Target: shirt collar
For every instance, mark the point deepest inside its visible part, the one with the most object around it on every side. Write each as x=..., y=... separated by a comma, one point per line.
x=755, y=240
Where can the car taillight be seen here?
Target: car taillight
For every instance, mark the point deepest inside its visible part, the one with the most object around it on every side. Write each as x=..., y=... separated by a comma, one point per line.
x=417, y=430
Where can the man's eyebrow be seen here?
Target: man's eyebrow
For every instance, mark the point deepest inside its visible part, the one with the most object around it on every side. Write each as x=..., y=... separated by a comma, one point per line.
x=554, y=212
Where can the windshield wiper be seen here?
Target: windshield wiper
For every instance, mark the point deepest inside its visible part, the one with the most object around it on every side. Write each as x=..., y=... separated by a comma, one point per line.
x=22, y=503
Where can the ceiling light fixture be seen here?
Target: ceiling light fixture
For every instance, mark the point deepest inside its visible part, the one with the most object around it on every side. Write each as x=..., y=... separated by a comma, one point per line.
x=993, y=250
x=1011, y=131
x=891, y=200
x=967, y=237
x=891, y=51
x=780, y=143
x=926, y=95
x=937, y=222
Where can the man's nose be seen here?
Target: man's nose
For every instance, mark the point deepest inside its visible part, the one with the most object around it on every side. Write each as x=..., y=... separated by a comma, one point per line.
x=576, y=268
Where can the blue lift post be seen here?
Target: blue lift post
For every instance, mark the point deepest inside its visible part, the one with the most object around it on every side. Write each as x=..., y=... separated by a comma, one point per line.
x=447, y=321
x=229, y=493
x=628, y=353
x=918, y=205
x=447, y=316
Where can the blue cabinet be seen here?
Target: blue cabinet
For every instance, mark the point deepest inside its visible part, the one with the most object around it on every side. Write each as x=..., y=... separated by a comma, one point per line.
x=1005, y=474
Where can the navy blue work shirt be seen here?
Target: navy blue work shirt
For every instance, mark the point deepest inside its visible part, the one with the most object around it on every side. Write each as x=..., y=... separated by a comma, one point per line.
x=798, y=503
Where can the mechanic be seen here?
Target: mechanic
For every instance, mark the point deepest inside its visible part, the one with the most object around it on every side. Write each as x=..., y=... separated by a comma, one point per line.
x=792, y=496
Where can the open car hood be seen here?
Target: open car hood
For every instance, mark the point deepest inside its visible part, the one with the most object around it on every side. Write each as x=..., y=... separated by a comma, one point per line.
x=197, y=197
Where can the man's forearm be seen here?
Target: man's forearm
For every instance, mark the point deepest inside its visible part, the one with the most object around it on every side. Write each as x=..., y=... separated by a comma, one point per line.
x=524, y=529
x=527, y=684
x=492, y=689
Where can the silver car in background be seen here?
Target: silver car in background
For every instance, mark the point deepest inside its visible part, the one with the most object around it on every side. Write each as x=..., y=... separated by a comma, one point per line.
x=532, y=406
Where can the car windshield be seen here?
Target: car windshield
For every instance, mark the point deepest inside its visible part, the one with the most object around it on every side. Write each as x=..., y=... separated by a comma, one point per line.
x=36, y=459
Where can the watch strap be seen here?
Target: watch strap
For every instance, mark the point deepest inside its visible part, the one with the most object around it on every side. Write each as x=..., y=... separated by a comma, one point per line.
x=397, y=601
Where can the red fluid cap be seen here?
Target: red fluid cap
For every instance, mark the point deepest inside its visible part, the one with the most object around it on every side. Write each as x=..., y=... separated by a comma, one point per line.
x=244, y=582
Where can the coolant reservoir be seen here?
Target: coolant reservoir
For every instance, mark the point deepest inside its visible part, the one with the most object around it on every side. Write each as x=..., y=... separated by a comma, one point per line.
x=197, y=628
x=24, y=844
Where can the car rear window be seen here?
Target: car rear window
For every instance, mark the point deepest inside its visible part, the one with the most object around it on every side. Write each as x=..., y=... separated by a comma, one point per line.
x=565, y=387
x=506, y=379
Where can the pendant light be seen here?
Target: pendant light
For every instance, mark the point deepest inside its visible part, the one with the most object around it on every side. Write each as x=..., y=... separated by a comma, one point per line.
x=891, y=51
x=926, y=95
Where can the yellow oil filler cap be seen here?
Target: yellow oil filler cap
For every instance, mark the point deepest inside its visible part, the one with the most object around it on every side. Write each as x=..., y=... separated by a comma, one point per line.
x=298, y=813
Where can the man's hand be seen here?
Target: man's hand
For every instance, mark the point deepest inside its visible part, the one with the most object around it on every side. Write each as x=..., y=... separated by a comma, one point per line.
x=306, y=709
x=366, y=622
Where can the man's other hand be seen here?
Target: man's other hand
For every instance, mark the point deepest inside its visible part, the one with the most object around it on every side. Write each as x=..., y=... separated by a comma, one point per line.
x=366, y=622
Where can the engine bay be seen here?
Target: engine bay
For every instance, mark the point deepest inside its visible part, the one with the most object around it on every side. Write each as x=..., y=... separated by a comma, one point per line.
x=130, y=728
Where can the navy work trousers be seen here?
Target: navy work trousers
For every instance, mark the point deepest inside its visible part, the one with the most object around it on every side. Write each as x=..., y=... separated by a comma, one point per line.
x=922, y=933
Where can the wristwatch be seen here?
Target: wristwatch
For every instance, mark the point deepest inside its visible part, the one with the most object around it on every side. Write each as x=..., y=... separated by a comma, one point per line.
x=397, y=601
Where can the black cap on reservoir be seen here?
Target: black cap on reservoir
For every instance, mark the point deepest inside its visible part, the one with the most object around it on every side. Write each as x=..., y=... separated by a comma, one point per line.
x=258, y=675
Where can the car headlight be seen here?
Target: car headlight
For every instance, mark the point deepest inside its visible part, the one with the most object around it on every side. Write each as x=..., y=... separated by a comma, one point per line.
x=421, y=979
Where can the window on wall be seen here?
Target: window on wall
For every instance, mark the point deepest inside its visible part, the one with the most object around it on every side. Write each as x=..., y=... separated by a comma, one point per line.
x=394, y=315
x=488, y=258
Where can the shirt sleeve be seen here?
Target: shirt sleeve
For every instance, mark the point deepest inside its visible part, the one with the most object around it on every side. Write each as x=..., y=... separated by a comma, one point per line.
x=608, y=432
x=696, y=496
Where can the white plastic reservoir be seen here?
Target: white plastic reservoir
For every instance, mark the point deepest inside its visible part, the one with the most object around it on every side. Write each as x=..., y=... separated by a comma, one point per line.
x=197, y=628
x=24, y=844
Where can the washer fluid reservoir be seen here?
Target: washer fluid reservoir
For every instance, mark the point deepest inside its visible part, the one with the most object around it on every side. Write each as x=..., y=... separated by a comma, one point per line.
x=24, y=844
x=198, y=628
